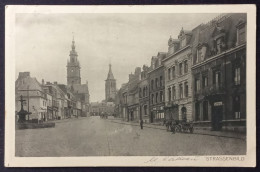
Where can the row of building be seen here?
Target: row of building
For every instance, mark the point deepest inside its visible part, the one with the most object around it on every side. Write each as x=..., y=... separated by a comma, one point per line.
x=48, y=101
x=202, y=78
x=51, y=101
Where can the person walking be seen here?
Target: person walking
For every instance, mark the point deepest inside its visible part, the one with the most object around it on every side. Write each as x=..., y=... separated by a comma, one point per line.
x=141, y=124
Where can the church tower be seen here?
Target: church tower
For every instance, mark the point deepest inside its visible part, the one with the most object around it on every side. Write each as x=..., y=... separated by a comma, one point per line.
x=110, y=86
x=73, y=67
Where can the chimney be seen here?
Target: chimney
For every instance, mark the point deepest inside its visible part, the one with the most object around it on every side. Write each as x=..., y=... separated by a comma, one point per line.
x=87, y=82
x=42, y=81
x=48, y=83
x=56, y=83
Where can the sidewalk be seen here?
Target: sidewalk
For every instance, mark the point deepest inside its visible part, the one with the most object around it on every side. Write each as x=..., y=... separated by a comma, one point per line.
x=241, y=136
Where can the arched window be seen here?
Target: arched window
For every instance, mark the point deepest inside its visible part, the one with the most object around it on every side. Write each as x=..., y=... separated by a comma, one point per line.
x=152, y=84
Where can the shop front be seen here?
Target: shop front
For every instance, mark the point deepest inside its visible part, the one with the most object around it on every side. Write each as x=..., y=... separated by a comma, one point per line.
x=157, y=114
x=133, y=114
x=171, y=112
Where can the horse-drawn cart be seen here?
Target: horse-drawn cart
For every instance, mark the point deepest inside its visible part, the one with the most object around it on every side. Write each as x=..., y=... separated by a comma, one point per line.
x=179, y=126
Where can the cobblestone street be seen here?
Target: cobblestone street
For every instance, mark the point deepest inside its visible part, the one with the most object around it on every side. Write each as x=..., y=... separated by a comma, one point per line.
x=92, y=136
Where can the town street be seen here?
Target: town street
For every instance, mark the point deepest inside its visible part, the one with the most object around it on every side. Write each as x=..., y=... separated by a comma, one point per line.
x=92, y=136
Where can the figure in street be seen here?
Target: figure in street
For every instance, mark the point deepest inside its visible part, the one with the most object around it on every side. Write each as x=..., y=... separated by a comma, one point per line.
x=141, y=123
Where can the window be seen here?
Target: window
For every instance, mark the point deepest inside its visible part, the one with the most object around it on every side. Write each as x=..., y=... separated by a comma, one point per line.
x=156, y=83
x=185, y=66
x=140, y=92
x=199, y=54
x=236, y=107
x=237, y=76
x=197, y=84
x=159, y=62
x=161, y=81
x=205, y=110
x=145, y=109
x=186, y=89
x=152, y=82
x=169, y=94
x=161, y=96
x=144, y=92
x=204, y=81
x=173, y=72
x=156, y=98
x=241, y=33
x=173, y=93
x=171, y=49
x=183, y=42
x=181, y=91
x=219, y=46
x=216, y=79
x=152, y=100
x=197, y=111
x=180, y=69
x=169, y=74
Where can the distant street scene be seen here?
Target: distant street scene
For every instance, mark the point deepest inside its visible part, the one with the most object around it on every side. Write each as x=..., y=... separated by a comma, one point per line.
x=130, y=85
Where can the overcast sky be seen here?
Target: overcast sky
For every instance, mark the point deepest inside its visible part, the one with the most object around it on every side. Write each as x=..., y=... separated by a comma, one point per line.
x=43, y=43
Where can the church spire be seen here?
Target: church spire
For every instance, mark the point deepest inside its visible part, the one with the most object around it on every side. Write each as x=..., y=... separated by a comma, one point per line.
x=110, y=74
x=73, y=43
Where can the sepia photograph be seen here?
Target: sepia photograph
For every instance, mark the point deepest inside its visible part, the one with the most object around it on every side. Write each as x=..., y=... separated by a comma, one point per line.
x=110, y=84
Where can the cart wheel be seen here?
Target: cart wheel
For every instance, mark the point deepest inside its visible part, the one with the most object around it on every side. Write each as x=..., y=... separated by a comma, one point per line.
x=177, y=128
x=173, y=130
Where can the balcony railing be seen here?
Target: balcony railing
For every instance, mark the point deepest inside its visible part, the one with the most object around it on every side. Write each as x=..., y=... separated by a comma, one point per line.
x=209, y=90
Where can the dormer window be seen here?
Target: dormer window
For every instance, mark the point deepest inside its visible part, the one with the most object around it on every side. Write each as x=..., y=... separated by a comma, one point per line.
x=219, y=35
x=171, y=49
x=220, y=44
x=241, y=32
x=201, y=53
x=183, y=42
x=159, y=62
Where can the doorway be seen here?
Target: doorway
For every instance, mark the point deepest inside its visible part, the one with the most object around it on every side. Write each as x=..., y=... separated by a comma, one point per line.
x=184, y=113
x=217, y=114
x=152, y=114
x=132, y=115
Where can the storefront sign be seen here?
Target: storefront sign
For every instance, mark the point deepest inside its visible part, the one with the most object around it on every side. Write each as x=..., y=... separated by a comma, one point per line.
x=218, y=104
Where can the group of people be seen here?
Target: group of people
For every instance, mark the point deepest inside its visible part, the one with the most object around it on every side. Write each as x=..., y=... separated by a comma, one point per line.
x=170, y=124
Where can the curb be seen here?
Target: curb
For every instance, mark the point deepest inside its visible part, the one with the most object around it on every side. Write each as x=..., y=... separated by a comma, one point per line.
x=198, y=133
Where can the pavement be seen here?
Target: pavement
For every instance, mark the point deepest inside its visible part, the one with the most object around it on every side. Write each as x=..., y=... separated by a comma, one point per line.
x=235, y=135
x=92, y=136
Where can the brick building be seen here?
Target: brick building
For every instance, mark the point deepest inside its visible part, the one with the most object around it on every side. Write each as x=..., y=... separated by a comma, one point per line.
x=144, y=95
x=156, y=87
x=219, y=74
x=133, y=96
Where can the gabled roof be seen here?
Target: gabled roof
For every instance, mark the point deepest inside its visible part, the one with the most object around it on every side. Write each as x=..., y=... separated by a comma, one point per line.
x=81, y=88
x=23, y=83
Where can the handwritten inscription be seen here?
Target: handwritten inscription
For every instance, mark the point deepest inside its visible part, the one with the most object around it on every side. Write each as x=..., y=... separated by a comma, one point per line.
x=168, y=159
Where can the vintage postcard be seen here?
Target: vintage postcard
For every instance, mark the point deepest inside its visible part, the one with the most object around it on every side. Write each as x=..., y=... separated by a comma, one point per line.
x=130, y=86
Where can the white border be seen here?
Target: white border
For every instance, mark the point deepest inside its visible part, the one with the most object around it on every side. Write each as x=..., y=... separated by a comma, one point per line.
x=12, y=161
